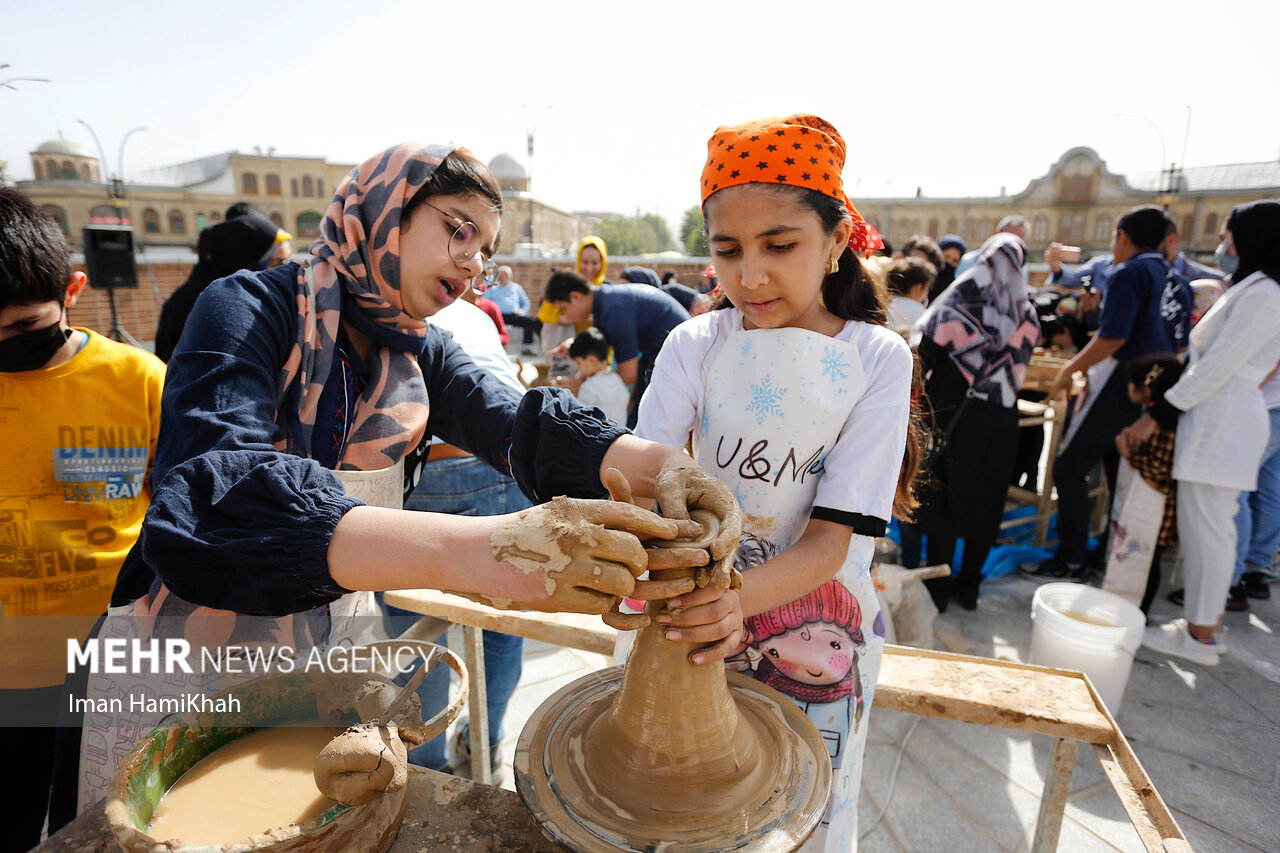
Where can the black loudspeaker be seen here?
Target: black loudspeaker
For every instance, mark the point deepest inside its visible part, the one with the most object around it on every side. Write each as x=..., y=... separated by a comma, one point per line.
x=108, y=256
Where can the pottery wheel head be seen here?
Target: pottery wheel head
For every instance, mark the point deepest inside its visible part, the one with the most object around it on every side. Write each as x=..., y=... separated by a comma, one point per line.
x=580, y=811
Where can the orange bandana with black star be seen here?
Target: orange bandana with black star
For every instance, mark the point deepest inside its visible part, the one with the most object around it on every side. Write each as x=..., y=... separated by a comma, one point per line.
x=799, y=151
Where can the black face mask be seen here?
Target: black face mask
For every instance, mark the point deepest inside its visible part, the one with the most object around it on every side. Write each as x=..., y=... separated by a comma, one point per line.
x=32, y=350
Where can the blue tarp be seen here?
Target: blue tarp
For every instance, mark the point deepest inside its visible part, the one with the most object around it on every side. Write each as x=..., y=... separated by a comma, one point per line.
x=1017, y=549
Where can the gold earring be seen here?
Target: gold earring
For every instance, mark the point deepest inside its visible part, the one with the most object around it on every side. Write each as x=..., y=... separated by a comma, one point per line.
x=833, y=265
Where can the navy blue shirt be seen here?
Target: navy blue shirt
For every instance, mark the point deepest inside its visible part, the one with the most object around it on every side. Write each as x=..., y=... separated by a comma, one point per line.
x=636, y=317
x=238, y=525
x=1146, y=307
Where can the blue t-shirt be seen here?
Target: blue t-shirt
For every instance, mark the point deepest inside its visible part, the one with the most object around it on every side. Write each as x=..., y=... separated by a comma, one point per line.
x=636, y=317
x=510, y=298
x=1146, y=307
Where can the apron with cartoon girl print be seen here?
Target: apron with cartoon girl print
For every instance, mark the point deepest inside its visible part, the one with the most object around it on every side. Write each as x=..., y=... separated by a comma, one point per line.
x=774, y=405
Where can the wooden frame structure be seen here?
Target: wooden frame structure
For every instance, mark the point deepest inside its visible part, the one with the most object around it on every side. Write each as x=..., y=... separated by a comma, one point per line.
x=1059, y=703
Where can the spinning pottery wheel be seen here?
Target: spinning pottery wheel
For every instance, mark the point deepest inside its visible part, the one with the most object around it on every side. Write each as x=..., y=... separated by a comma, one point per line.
x=666, y=755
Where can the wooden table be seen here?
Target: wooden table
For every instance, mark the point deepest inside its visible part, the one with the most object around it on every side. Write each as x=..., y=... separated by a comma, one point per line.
x=1059, y=703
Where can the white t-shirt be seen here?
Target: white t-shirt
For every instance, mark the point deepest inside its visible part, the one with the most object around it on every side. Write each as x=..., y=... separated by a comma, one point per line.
x=475, y=332
x=607, y=390
x=860, y=475
x=904, y=312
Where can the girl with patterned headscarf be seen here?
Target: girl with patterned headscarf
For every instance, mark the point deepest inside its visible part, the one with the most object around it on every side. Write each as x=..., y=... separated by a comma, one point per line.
x=977, y=340
x=295, y=416
x=798, y=396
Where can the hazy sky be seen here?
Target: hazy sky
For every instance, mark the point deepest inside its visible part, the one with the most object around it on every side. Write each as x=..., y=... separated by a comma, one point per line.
x=959, y=97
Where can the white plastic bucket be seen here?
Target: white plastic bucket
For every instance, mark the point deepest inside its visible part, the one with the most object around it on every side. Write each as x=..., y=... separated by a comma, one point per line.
x=1061, y=637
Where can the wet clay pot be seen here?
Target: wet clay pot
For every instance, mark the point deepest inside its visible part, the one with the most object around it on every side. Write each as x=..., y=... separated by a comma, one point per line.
x=664, y=754
x=156, y=763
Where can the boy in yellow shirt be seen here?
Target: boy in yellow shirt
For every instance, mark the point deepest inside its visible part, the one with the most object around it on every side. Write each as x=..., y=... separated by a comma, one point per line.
x=79, y=417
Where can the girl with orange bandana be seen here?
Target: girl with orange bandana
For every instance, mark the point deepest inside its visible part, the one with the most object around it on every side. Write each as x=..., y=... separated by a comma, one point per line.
x=797, y=396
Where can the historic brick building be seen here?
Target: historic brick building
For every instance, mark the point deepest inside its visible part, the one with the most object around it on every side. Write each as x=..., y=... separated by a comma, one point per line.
x=170, y=205
x=1078, y=202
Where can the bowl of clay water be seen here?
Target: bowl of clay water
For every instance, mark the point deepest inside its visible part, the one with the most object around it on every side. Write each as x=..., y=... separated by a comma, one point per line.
x=233, y=783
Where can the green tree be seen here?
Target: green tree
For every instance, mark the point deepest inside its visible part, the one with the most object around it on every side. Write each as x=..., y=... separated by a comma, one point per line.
x=660, y=230
x=631, y=236
x=693, y=236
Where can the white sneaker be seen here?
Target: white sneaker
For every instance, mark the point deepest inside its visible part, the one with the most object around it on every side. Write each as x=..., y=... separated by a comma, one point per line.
x=1172, y=638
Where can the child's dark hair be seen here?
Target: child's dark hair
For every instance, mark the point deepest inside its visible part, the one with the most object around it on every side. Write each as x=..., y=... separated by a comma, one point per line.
x=854, y=292
x=590, y=342
x=851, y=292
x=1146, y=225
x=910, y=272
x=1157, y=372
x=35, y=261
x=922, y=245
x=562, y=283
x=457, y=174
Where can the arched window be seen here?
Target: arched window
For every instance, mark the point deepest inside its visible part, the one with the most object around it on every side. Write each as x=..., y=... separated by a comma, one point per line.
x=39, y=171
x=103, y=214
x=249, y=183
x=1064, y=230
x=278, y=220
x=1040, y=230
x=150, y=221
x=308, y=226
x=1077, y=230
x=69, y=171
x=273, y=185
x=293, y=187
x=985, y=227
x=51, y=169
x=1211, y=227
x=201, y=221
x=933, y=228
x=953, y=226
x=59, y=215
x=1102, y=232
x=177, y=224
x=308, y=189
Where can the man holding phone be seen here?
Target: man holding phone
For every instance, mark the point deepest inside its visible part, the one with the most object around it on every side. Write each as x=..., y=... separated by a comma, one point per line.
x=1146, y=310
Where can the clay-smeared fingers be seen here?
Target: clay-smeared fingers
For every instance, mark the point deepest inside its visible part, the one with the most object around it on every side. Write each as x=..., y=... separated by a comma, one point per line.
x=616, y=482
x=619, y=547
x=661, y=559
x=657, y=590
x=717, y=651
x=615, y=618
x=617, y=515
x=576, y=599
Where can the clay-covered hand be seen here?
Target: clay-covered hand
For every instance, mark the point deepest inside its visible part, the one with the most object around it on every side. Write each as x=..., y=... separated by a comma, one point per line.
x=683, y=485
x=362, y=763
x=582, y=555
x=707, y=615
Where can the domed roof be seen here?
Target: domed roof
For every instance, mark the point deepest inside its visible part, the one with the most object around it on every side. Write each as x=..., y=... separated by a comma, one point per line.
x=64, y=146
x=506, y=166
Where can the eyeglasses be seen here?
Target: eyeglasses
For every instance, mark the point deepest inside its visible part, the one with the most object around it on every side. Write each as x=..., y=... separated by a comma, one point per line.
x=486, y=279
x=464, y=244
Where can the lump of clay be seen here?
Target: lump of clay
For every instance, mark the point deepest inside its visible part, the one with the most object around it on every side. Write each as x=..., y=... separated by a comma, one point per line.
x=375, y=697
x=362, y=763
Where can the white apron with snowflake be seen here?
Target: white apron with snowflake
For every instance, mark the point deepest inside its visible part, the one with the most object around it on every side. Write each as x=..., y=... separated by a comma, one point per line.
x=107, y=735
x=774, y=405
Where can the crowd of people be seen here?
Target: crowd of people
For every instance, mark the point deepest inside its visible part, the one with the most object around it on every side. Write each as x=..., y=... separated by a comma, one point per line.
x=819, y=384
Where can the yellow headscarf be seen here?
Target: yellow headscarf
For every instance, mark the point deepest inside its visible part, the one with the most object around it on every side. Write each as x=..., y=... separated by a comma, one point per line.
x=548, y=313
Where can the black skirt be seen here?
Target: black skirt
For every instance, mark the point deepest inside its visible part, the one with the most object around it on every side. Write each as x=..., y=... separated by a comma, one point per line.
x=963, y=493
